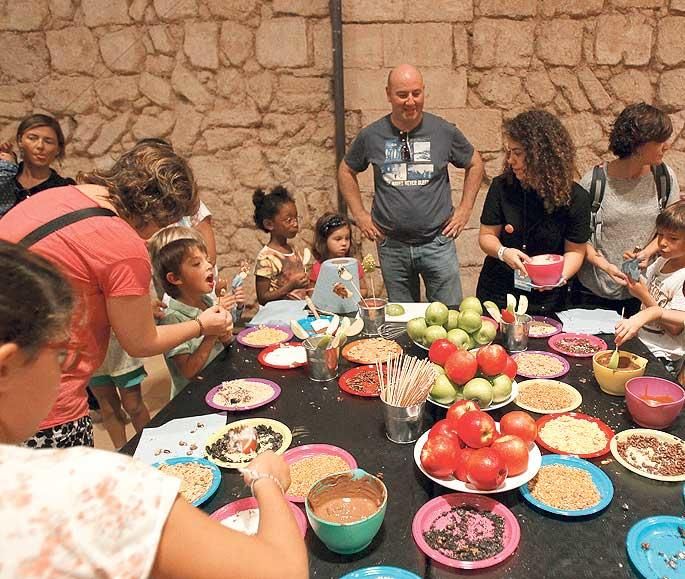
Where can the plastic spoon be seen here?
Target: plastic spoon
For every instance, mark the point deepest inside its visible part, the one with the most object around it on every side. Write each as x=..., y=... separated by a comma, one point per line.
x=615, y=357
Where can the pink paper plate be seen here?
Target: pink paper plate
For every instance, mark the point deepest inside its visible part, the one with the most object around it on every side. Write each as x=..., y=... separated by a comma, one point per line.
x=563, y=361
x=306, y=450
x=435, y=507
x=557, y=325
x=600, y=344
x=247, y=331
x=251, y=503
x=276, y=393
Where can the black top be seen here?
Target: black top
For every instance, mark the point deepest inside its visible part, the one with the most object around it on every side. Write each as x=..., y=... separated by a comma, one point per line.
x=508, y=203
x=54, y=180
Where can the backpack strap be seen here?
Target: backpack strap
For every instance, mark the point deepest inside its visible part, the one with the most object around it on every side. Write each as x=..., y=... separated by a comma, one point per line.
x=663, y=184
x=597, y=187
x=62, y=221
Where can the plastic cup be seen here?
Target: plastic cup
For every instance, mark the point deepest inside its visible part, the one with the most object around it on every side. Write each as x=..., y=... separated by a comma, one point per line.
x=515, y=334
x=403, y=424
x=322, y=363
x=372, y=311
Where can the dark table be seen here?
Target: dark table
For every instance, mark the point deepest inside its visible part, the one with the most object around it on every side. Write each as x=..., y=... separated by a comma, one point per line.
x=321, y=413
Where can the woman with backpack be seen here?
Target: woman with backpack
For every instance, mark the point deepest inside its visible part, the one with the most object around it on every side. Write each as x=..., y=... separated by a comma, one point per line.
x=627, y=195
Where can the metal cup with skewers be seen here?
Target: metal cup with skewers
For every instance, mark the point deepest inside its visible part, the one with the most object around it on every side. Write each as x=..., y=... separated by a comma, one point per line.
x=371, y=311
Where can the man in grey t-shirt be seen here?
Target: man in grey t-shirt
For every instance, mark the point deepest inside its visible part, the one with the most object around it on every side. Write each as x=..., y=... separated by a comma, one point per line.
x=412, y=218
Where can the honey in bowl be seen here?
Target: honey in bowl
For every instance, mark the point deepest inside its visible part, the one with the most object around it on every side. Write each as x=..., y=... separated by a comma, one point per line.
x=624, y=362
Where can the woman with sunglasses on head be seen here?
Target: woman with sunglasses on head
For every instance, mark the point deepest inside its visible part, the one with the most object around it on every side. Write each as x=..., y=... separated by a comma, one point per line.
x=94, y=232
x=71, y=502
x=533, y=208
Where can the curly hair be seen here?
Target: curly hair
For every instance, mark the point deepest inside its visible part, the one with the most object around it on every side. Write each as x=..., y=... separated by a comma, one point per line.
x=550, y=156
x=267, y=205
x=149, y=183
x=41, y=120
x=636, y=125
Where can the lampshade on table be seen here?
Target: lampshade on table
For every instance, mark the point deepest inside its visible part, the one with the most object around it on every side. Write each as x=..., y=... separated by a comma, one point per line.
x=325, y=298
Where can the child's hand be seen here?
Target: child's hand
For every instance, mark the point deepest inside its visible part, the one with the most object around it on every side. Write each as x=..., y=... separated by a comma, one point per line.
x=272, y=464
x=7, y=153
x=626, y=329
x=227, y=338
x=298, y=279
x=216, y=321
x=239, y=295
x=637, y=289
x=158, y=307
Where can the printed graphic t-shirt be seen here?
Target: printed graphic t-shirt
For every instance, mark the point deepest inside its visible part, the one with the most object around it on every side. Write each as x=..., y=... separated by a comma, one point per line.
x=276, y=266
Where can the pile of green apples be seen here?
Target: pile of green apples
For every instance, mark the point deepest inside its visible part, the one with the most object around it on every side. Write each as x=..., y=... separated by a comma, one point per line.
x=464, y=327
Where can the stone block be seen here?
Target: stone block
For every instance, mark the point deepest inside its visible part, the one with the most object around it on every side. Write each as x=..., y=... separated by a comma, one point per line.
x=186, y=129
x=322, y=39
x=87, y=129
x=236, y=10
x=671, y=91
x=185, y=83
x=250, y=167
x=230, y=83
x=30, y=59
x=301, y=7
x=638, y=3
x=670, y=48
x=15, y=110
x=309, y=166
x=159, y=65
x=62, y=9
x=365, y=89
x=175, y=10
x=236, y=42
x=560, y=42
x=584, y=129
x=260, y=88
x=148, y=126
x=482, y=127
x=201, y=44
x=594, y=89
x=567, y=81
x=678, y=6
x=623, y=38
x=469, y=279
x=72, y=49
x=282, y=43
x=445, y=88
x=98, y=13
x=519, y=9
x=123, y=50
x=362, y=45
x=299, y=94
x=676, y=160
x=460, y=45
x=499, y=89
x=110, y=134
x=422, y=44
x=23, y=15
x=502, y=43
x=586, y=158
x=632, y=86
x=211, y=172
x=283, y=125
x=117, y=92
x=540, y=87
x=576, y=8
x=223, y=139
x=225, y=116
x=162, y=41
x=157, y=89
x=65, y=95
x=372, y=11
x=137, y=10
x=438, y=11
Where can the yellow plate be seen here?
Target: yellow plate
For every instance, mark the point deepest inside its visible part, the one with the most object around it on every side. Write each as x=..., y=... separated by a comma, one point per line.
x=577, y=398
x=619, y=437
x=278, y=427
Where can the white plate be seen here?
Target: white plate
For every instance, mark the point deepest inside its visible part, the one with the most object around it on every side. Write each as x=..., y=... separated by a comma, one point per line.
x=514, y=394
x=665, y=436
x=577, y=398
x=411, y=310
x=510, y=483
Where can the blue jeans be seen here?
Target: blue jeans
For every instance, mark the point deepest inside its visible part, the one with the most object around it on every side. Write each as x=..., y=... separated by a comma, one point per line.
x=436, y=262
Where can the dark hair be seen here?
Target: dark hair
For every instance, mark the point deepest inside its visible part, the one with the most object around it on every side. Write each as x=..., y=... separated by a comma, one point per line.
x=149, y=183
x=672, y=218
x=39, y=120
x=267, y=205
x=36, y=302
x=154, y=141
x=636, y=125
x=170, y=258
x=325, y=226
x=550, y=155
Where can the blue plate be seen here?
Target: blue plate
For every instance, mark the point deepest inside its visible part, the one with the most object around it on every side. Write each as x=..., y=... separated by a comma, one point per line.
x=601, y=480
x=216, y=474
x=662, y=535
x=381, y=572
x=306, y=323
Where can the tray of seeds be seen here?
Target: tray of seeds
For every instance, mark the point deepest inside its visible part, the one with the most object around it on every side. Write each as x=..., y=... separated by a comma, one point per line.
x=543, y=327
x=574, y=433
x=264, y=335
x=200, y=478
x=310, y=463
x=569, y=487
x=361, y=381
x=271, y=435
x=544, y=396
x=539, y=364
x=466, y=531
x=242, y=394
x=650, y=453
x=577, y=345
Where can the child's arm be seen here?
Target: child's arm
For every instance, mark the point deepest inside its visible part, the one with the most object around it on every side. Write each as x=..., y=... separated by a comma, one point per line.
x=265, y=294
x=189, y=365
x=673, y=321
x=639, y=290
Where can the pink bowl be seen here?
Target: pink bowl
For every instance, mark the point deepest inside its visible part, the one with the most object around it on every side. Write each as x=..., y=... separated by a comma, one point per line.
x=545, y=269
x=661, y=415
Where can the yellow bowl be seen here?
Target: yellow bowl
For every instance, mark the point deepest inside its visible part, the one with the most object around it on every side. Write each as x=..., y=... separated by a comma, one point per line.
x=614, y=381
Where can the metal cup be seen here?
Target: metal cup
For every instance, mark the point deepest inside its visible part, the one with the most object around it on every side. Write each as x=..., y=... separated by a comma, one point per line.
x=515, y=334
x=403, y=424
x=322, y=363
x=372, y=311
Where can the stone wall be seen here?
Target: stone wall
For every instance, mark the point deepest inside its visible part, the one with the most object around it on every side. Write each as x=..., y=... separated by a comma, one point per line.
x=243, y=87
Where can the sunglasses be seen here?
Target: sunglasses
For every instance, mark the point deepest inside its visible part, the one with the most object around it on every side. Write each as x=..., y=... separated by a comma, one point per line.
x=405, y=149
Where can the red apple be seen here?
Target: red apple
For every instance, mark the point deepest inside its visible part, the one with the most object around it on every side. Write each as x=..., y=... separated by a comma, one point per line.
x=519, y=423
x=440, y=456
x=511, y=368
x=462, y=464
x=476, y=429
x=446, y=428
x=440, y=350
x=486, y=469
x=514, y=451
x=461, y=366
x=459, y=408
x=492, y=359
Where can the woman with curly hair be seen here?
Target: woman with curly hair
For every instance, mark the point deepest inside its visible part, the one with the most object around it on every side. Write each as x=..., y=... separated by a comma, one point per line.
x=94, y=233
x=532, y=208
x=629, y=207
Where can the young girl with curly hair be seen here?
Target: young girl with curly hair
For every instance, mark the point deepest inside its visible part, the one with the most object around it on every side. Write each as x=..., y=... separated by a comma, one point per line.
x=533, y=208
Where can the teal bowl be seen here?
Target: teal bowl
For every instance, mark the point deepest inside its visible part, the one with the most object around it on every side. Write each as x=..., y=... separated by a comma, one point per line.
x=347, y=537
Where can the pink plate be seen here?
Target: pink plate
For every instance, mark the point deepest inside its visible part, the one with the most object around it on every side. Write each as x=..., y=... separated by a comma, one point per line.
x=435, y=507
x=276, y=393
x=247, y=331
x=307, y=450
x=551, y=322
x=594, y=341
x=251, y=503
x=564, y=363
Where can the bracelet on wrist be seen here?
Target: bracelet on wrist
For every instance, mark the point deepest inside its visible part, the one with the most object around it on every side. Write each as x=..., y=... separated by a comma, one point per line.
x=202, y=328
x=256, y=475
x=500, y=252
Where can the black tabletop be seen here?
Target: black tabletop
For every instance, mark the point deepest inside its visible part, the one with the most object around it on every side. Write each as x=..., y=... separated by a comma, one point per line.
x=322, y=413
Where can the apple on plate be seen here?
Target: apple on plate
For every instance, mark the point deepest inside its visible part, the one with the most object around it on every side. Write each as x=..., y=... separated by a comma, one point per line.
x=443, y=391
x=459, y=408
x=514, y=451
x=434, y=333
x=452, y=320
x=470, y=321
x=437, y=314
x=459, y=338
x=471, y=303
x=416, y=329
x=480, y=390
x=486, y=334
x=485, y=469
x=501, y=388
x=476, y=429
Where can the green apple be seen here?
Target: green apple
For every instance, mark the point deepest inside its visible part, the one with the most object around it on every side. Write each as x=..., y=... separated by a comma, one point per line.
x=434, y=333
x=472, y=343
x=501, y=388
x=443, y=390
x=437, y=368
x=394, y=310
x=471, y=303
x=437, y=314
x=452, y=320
x=459, y=338
x=416, y=328
x=470, y=321
x=480, y=390
x=486, y=334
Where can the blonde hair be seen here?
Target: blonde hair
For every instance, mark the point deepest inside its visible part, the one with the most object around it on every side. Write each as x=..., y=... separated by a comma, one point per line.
x=161, y=239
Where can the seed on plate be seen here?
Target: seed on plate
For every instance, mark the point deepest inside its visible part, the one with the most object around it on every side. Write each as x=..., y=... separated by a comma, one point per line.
x=565, y=488
x=541, y=365
x=195, y=478
x=544, y=395
x=182, y=443
x=573, y=435
x=654, y=456
x=305, y=472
